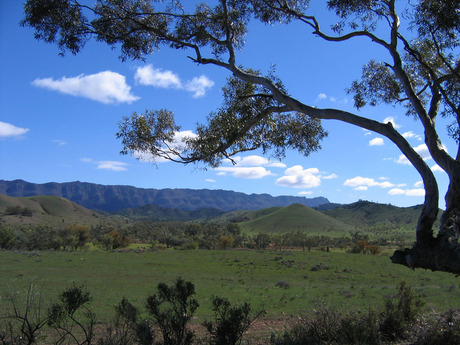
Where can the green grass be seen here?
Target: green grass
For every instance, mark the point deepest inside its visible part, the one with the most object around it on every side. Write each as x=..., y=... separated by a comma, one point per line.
x=296, y=218
x=281, y=283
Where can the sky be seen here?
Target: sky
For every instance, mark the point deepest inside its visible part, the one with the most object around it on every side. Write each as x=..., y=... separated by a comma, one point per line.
x=59, y=115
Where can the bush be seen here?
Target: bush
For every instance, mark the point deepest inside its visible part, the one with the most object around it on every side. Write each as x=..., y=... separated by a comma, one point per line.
x=172, y=307
x=72, y=316
x=400, y=312
x=127, y=328
x=328, y=325
x=443, y=331
x=230, y=322
x=7, y=238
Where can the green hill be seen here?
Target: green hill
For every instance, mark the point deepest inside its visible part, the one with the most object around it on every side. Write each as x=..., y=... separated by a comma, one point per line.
x=296, y=218
x=46, y=210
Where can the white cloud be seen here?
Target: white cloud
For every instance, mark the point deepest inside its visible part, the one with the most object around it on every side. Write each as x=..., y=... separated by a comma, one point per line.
x=410, y=134
x=418, y=184
x=251, y=160
x=277, y=165
x=255, y=160
x=210, y=180
x=407, y=192
x=112, y=165
x=362, y=188
x=298, y=177
x=199, y=86
x=9, y=130
x=148, y=75
x=107, y=165
x=329, y=177
x=321, y=96
x=245, y=172
x=59, y=142
x=305, y=193
x=422, y=150
x=390, y=119
x=437, y=168
x=359, y=181
x=376, y=142
x=105, y=87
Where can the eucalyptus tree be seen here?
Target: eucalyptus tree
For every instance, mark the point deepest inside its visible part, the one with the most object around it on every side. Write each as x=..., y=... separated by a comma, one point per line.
x=422, y=73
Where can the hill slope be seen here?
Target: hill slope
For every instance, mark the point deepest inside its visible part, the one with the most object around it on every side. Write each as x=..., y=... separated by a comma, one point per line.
x=156, y=213
x=296, y=218
x=369, y=214
x=114, y=198
x=47, y=210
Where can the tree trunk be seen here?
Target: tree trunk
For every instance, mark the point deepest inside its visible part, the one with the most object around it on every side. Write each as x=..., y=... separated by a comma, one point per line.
x=441, y=253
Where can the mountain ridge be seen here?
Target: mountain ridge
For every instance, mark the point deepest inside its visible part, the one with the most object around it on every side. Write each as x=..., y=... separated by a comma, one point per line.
x=113, y=198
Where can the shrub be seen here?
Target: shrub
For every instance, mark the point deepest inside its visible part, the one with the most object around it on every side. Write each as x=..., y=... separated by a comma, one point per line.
x=7, y=238
x=127, y=329
x=283, y=284
x=27, y=319
x=230, y=322
x=400, y=311
x=443, y=331
x=172, y=307
x=72, y=316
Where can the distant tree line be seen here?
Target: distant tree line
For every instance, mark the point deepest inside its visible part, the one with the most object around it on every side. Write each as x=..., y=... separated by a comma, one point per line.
x=180, y=235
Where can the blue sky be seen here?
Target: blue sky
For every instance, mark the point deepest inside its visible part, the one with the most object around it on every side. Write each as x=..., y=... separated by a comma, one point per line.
x=58, y=117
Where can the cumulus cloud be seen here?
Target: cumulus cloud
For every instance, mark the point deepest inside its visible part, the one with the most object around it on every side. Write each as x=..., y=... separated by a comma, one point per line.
x=245, y=172
x=298, y=177
x=251, y=160
x=105, y=87
x=321, y=96
x=410, y=135
x=332, y=99
x=147, y=75
x=359, y=182
x=199, y=85
x=107, y=165
x=151, y=76
x=361, y=188
x=329, y=177
x=254, y=160
x=9, y=130
x=112, y=165
x=422, y=150
x=418, y=184
x=305, y=193
x=376, y=142
x=407, y=192
x=277, y=165
x=437, y=168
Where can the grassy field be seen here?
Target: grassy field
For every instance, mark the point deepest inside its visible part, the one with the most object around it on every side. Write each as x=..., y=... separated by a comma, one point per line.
x=284, y=284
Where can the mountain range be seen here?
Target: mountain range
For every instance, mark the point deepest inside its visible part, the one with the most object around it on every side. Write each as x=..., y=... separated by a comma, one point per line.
x=118, y=197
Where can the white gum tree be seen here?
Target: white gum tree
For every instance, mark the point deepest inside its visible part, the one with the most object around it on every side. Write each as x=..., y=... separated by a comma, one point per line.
x=422, y=74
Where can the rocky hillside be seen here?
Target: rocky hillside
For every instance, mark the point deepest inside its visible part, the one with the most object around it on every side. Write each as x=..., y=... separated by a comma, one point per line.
x=114, y=198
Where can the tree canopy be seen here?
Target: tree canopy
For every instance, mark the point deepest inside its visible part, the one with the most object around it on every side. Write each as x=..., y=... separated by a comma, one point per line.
x=422, y=74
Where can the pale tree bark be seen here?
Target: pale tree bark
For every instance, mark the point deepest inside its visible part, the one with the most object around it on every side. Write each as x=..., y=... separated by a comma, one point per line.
x=140, y=30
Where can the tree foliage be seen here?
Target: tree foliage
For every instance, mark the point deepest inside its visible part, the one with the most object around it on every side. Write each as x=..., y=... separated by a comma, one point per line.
x=421, y=73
